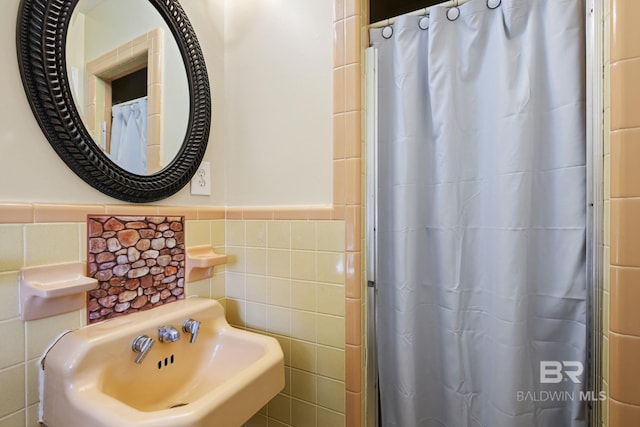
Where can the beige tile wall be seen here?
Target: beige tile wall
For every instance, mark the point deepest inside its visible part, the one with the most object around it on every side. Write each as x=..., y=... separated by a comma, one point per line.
x=623, y=356
x=27, y=244
x=285, y=278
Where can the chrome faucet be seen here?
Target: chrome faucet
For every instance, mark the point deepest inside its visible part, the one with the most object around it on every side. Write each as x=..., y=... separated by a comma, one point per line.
x=192, y=327
x=142, y=344
x=168, y=333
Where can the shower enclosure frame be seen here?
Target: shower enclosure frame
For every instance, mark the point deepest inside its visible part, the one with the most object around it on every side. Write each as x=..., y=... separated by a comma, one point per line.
x=594, y=115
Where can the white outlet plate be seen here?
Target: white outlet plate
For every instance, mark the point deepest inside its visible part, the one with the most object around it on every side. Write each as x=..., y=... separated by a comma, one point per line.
x=201, y=181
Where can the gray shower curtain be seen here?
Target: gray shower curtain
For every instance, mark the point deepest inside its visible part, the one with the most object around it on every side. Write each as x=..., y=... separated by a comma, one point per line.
x=481, y=217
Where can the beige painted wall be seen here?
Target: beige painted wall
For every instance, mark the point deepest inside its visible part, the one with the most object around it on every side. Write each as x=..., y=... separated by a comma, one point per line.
x=278, y=100
x=32, y=171
x=270, y=68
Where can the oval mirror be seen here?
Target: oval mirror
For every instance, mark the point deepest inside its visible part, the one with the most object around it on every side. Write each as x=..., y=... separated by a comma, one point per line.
x=126, y=107
x=128, y=82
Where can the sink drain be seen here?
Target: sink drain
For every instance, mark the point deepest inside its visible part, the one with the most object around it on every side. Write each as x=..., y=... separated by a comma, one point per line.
x=177, y=405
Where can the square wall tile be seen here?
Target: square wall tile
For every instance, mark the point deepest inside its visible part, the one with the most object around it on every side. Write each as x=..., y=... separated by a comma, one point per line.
x=256, y=288
x=304, y=355
x=197, y=232
x=622, y=414
x=218, y=235
x=32, y=371
x=234, y=232
x=331, y=236
x=9, y=295
x=235, y=311
x=256, y=260
x=12, y=333
x=327, y=417
x=331, y=394
x=331, y=362
x=303, y=385
x=13, y=392
x=17, y=419
x=258, y=420
x=279, y=234
x=303, y=265
x=304, y=325
x=304, y=295
x=331, y=299
x=625, y=232
x=331, y=331
x=625, y=92
x=235, y=285
x=624, y=369
x=303, y=413
x=236, y=260
x=279, y=408
x=331, y=267
x=279, y=263
x=304, y=235
x=625, y=151
x=256, y=316
x=279, y=320
x=625, y=30
x=279, y=291
x=256, y=233
x=624, y=297
x=11, y=247
x=40, y=333
x=51, y=243
x=201, y=288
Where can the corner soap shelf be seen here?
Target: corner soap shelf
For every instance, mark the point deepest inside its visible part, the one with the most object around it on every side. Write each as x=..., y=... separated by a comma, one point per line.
x=200, y=262
x=52, y=289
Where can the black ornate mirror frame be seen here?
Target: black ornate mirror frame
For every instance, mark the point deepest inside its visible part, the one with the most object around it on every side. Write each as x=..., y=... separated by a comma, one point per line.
x=41, y=40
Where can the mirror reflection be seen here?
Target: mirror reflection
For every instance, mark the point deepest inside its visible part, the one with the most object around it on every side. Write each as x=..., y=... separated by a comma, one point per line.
x=128, y=81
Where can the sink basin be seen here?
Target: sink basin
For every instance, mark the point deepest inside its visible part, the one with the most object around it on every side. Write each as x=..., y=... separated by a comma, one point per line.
x=223, y=378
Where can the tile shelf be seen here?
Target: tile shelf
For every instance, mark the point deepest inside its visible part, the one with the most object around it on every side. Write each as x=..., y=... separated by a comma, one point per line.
x=200, y=262
x=47, y=290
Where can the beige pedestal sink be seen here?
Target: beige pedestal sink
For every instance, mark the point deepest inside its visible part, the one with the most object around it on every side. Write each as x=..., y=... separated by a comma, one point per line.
x=226, y=375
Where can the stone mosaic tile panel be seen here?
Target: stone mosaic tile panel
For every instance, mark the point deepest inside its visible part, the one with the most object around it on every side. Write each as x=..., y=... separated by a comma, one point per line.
x=138, y=262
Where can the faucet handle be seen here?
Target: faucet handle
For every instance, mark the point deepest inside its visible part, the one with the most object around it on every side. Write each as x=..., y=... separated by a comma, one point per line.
x=142, y=344
x=192, y=327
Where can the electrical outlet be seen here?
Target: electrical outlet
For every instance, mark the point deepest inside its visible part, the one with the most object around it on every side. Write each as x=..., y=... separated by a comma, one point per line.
x=201, y=181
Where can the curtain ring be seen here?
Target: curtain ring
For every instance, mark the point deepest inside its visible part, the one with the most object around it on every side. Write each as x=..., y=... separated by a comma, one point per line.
x=492, y=4
x=453, y=13
x=387, y=32
x=423, y=23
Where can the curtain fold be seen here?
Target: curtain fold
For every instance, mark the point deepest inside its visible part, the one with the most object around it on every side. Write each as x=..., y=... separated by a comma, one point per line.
x=129, y=136
x=481, y=272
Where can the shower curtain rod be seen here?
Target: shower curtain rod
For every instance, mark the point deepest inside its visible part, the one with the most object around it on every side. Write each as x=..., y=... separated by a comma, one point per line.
x=423, y=11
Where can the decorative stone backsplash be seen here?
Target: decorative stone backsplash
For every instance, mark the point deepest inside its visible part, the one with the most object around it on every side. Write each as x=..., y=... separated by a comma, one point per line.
x=138, y=262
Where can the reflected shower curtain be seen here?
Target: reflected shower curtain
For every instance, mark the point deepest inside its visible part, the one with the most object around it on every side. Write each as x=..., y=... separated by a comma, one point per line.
x=129, y=135
x=481, y=221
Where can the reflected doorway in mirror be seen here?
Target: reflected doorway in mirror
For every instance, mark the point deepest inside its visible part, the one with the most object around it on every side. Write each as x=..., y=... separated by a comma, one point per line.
x=142, y=52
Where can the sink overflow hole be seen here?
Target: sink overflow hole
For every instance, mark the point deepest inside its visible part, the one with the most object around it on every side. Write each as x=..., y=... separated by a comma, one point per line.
x=165, y=362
